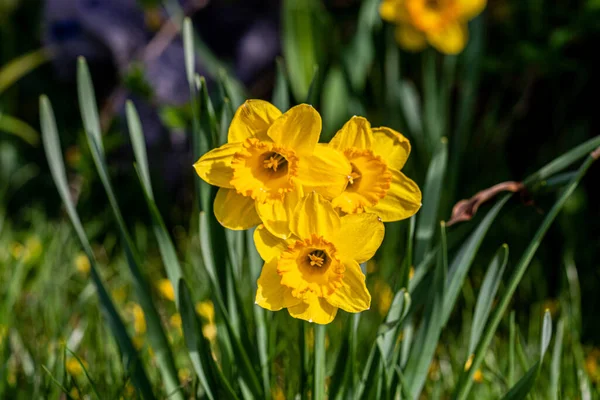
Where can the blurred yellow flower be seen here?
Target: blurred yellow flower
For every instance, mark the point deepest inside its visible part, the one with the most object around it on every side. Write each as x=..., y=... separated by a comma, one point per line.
x=441, y=23
x=316, y=271
x=175, y=320
x=139, y=321
x=74, y=393
x=375, y=183
x=478, y=376
x=206, y=310
x=591, y=365
x=166, y=289
x=278, y=393
x=74, y=367
x=82, y=263
x=269, y=159
x=383, y=296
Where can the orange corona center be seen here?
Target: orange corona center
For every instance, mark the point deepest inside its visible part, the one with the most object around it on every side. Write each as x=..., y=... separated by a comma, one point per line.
x=428, y=15
x=264, y=171
x=311, y=265
x=368, y=182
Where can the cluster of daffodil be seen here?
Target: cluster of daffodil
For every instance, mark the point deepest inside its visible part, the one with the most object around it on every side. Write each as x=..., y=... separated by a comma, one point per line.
x=441, y=23
x=319, y=207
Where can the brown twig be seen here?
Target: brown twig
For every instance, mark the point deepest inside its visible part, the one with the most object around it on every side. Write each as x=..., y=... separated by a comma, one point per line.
x=464, y=210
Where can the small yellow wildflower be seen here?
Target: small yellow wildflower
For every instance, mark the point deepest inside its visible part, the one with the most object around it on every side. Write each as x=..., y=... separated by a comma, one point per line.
x=175, y=321
x=206, y=310
x=139, y=321
x=591, y=365
x=166, y=289
x=269, y=159
x=441, y=23
x=316, y=271
x=478, y=376
x=383, y=296
x=375, y=183
x=74, y=394
x=469, y=362
x=82, y=263
x=74, y=367
x=278, y=393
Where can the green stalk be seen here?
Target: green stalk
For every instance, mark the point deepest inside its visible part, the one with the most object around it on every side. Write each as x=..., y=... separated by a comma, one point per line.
x=319, y=378
x=466, y=380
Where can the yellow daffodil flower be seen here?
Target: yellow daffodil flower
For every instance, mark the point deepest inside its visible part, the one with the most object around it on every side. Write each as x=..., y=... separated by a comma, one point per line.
x=267, y=161
x=375, y=183
x=441, y=23
x=316, y=271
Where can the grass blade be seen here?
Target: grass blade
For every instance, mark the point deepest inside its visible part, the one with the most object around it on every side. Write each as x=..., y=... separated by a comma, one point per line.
x=525, y=384
x=156, y=334
x=556, y=361
x=488, y=291
x=139, y=146
x=21, y=66
x=130, y=356
x=432, y=192
x=198, y=346
x=465, y=382
x=424, y=346
x=281, y=94
x=19, y=128
x=464, y=258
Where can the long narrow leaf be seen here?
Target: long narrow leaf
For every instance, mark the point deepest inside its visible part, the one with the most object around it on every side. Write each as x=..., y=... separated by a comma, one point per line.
x=525, y=384
x=465, y=382
x=156, y=334
x=130, y=356
x=488, y=291
x=432, y=192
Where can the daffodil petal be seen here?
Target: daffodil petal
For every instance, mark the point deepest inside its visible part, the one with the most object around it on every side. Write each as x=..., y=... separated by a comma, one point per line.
x=410, y=38
x=353, y=295
x=214, y=167
x=449, y=40
x=299, y=128
x=315, y=216
x=314, y=309
x=252, y=119
x=271, y=294
x=355, y=133
x=402, y=200
x=267, y=245
x=391, y=146
x=359, y=237
x=276, y=215
x=326, y=171
x=235, y=211
x=469, y=9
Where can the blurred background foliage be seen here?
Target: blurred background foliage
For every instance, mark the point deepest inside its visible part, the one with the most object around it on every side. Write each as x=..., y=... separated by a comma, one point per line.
x=524, y=91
